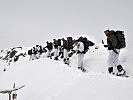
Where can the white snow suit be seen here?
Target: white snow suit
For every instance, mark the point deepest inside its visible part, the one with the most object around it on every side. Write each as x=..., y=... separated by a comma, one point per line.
x=80, y=49
x=113, y=58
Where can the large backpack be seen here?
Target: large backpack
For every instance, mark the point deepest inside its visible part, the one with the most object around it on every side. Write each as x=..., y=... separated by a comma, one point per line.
x=121, y=43
x=70, y=43
x=30, y=52
x=49, y=45
x=55, y=43
x=87, y=43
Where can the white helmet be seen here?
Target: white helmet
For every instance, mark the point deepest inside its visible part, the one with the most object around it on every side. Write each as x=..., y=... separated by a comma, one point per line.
x=106, y=29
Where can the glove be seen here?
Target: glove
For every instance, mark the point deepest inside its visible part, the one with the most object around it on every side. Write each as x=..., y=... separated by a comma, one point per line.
x=105, y=46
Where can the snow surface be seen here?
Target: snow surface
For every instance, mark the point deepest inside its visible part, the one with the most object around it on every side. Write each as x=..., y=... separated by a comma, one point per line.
x=47, y=79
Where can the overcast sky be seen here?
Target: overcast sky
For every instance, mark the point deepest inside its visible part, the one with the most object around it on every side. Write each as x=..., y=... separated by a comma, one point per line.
x=30, y=22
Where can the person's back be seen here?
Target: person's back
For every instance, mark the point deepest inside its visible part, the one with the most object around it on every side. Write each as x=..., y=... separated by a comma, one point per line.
x=111, y=40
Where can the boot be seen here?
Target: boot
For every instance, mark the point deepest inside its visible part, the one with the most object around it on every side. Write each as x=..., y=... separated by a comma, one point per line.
x=79, y=67
x=110, y=69
x=83, y=69
x=62, y=56
x=65, y=61
x=67, y=58
x=56, y=58
x=120, y=70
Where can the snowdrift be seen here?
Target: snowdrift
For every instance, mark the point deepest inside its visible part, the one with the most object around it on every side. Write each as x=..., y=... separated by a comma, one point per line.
x=47, y=79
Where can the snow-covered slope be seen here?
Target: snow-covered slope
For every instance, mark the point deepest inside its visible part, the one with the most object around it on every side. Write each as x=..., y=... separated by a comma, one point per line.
x=46, y=79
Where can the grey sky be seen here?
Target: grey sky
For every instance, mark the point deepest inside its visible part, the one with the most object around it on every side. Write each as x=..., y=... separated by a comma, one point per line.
x=30, y=22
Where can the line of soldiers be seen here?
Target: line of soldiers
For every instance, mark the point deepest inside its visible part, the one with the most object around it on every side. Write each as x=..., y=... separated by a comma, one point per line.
x=35, y=52
x=63, y=49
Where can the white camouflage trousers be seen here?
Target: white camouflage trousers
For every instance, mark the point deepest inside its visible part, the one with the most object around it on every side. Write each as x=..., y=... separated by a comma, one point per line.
x=80, y=59
x=65, y=53
x=56, y=52
x=113, y=58
x=48, y=53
